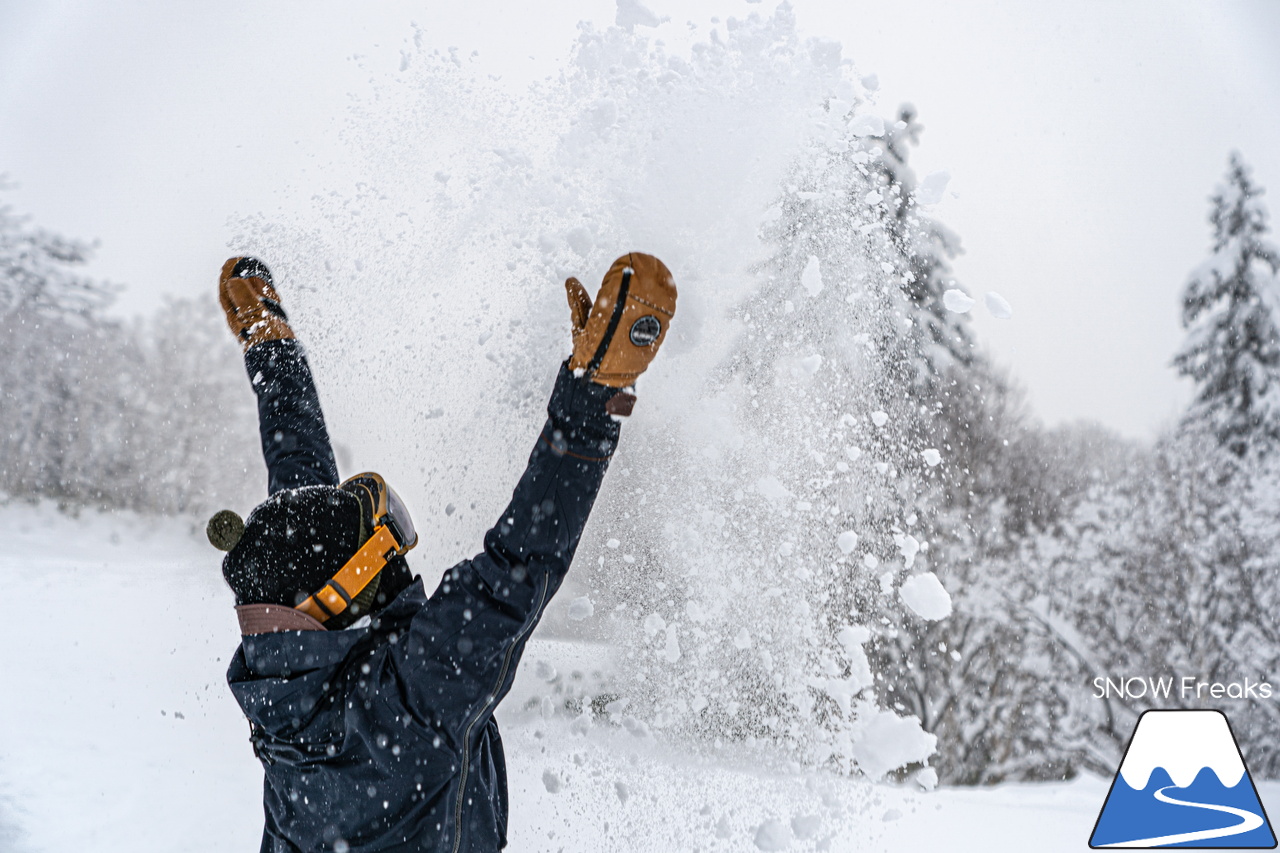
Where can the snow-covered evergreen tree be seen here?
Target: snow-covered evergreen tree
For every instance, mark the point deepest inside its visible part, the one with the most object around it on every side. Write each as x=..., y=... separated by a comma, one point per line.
x=812, y=381
x=964, y=676
x=1166, y=566
x=1231, y=309
x=1221, y=458
x=851, y=311
x=934, y=344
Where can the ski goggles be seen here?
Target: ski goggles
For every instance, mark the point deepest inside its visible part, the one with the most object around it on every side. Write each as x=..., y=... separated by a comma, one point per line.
x=383, y=512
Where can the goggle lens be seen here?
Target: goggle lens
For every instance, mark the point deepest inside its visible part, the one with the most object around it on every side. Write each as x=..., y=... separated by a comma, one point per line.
x=384, y=506
x=398, y=513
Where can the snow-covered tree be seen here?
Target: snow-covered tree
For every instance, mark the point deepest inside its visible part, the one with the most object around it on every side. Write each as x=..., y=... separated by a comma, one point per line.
x=1148, y=564
x=1154, y=569
x=38, y=271
x=1221, y=458
x=849, y=352
x=813, y=417
x=153, y=415
x=966, y=677
x=48, y=325
x=810, y=384
x=934, y=344
x=1157, y=560
x=808, y=505
x=1231, y=309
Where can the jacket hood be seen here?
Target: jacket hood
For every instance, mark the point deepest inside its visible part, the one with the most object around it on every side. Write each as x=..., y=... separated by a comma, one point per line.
x=281, y=679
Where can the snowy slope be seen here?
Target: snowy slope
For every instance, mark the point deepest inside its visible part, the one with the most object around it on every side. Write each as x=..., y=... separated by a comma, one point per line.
x=117, y=729
x=119, y=734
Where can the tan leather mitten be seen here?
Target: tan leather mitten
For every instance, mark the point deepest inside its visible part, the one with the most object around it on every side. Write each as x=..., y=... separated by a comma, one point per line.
x=253, y=308
x=616, y=337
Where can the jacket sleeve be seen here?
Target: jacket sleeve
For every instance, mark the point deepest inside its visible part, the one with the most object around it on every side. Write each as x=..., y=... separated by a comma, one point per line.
x=472, y=632
x=295, y=442
x=527, y=553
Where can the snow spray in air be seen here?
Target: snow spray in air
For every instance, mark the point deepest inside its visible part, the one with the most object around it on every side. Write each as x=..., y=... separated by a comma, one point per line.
x=757, y=522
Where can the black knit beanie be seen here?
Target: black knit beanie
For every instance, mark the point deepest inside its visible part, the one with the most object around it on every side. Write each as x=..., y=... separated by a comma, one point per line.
x=293, y=543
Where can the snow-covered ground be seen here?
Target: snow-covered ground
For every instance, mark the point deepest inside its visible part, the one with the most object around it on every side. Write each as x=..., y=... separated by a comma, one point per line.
x=118, y=733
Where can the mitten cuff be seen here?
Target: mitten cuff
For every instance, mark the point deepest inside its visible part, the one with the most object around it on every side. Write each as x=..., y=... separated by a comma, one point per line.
x=583, y=414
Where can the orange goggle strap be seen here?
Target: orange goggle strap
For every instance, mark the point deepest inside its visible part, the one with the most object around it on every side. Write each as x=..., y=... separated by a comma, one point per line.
x=374, y=499
x=336, y=595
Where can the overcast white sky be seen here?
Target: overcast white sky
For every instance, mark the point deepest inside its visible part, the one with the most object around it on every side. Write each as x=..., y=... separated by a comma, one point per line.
x=1083, y=140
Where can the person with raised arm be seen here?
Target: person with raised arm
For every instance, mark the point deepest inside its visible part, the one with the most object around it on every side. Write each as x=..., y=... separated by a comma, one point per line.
x=371, y=703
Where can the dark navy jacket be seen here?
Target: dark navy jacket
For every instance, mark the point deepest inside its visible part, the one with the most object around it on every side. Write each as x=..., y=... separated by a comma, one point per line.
x=383, y=738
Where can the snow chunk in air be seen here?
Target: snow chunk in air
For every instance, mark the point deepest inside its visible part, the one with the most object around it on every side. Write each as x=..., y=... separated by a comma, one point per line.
x=772, y=489
x=933, y=187
x=809, y=364
x=867, y=125
x=581, y=608
x=633, y=12
x=926, y=596
x=806, y=825
x=811, y=278
x=847, y=541
x=998, y=306
x=671, y=653
x=773, y=835
x=889, y=742
x=851, y=638
x=932, y=457
x=957, y=301
x=909, y=546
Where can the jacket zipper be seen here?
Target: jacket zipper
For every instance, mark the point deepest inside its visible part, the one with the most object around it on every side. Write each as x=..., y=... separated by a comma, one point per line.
x=466, y=736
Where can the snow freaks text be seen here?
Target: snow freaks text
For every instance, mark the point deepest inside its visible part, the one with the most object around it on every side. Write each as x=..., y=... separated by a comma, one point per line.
x=1185, y=687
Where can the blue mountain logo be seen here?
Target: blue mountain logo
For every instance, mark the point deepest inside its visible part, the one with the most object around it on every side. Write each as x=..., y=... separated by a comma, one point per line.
x=1183, y=783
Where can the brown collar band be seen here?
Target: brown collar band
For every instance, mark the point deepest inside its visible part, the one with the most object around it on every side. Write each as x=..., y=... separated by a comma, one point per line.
x=273, y=618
